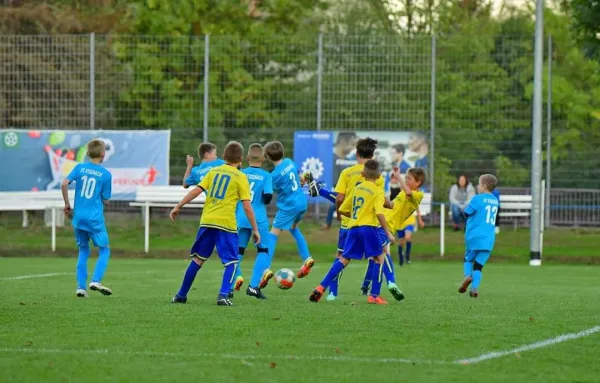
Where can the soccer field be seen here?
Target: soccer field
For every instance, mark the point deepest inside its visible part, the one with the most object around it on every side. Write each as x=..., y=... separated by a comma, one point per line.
x=434, y=335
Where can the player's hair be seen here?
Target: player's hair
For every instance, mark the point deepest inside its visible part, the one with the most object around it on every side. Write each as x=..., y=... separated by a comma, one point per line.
x=419, y=175
x=95, y=148
x=399, y=148
x=274, y=150
x=365, y=148
x=256, y=153
x=233, y=152
x=345, y=136
x=205, y=148
x=372, y=169
x=489, y=181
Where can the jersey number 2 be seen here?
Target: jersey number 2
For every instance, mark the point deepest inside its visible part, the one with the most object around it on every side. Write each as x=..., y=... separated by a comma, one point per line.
x=88, y=187
x=491, y=214
x=221, y=183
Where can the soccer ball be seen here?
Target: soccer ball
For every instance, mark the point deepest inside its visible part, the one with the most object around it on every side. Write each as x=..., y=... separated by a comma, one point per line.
x=285, y=279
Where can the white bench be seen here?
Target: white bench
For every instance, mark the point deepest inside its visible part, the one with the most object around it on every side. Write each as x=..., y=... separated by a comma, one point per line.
x=36, y=201
x=148, y=197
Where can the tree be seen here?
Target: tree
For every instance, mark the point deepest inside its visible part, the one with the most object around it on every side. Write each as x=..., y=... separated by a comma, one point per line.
x=586, y=17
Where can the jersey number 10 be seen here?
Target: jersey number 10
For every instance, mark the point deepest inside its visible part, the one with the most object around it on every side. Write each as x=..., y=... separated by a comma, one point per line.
x=491, y=214
x=89, y=187
x=221, y=183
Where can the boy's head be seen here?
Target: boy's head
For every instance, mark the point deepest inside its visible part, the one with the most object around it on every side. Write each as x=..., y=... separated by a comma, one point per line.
x=233, y=153
x=365, y=148
x=256, y=154
x=96, y=150
x=397, y=153
x=345, y=141
x=371, y=170
x=487, y=183
x=274, y=151
x=207, y=151
x=415, y=177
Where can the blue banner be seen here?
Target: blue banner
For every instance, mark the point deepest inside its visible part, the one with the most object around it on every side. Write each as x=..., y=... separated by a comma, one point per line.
x=312, y=153
x=39, y=160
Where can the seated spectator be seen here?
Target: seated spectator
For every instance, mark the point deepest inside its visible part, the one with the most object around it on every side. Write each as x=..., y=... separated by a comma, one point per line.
x=460, y=196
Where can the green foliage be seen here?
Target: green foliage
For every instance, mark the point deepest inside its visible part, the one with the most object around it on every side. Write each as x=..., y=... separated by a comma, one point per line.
x=586, y=17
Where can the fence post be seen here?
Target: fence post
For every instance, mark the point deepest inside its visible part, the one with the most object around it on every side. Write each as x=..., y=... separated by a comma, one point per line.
x=548, y=133
x=206, y=86
x=319, y=99
x=432, y=122
x=442, y=229
x=92, y=81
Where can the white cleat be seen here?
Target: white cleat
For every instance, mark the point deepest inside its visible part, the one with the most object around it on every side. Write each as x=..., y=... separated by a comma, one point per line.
x=81, y=293
x=97, y=286
x=331, y=297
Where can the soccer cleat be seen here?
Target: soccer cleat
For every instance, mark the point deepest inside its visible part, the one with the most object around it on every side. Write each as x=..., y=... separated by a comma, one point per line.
x=474, y=293
x=317, y=294
x=408, y=262
x=330, y=297
x=178, y=299
x=81, y=293
x=264, y=281
x=305, y=269
x=222, y=300
x=230, y=295
x=364, y=290
x=255, y=292
x=239, y=281
x=376, y=300
x=465, y=284
x=97, y=286
x=395, y=291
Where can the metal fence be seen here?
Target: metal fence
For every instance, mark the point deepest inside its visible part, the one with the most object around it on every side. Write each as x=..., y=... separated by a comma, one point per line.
x=466, y=100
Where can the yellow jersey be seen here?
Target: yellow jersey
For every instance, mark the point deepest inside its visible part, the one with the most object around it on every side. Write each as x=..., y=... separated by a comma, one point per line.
x=224, y=186
x=349, y=179
x=364, y=204
x=412, y=220
x=404, y=207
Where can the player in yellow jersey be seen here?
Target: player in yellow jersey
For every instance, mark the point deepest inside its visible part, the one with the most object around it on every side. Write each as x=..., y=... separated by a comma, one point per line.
x=224, y=185
x=404, y=235
x=365, y=212
x=403, y=206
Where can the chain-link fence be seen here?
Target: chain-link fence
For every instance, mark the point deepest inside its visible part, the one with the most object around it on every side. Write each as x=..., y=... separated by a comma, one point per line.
x=466, y=102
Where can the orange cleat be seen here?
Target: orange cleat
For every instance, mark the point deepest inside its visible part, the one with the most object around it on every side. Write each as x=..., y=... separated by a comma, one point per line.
x=465, y=284
x=239, y=281
x=305, y=269
x=376, y=300
x=264, y=281
x=317, y=294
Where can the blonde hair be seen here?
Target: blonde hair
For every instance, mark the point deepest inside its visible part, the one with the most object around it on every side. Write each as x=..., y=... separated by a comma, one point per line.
x=256, y=153
x=233, y=152
x=96, y=148
x=489, y=181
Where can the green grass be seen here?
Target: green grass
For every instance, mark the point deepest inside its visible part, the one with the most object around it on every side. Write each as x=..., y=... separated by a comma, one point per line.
x=174, y=239
x=137, y=335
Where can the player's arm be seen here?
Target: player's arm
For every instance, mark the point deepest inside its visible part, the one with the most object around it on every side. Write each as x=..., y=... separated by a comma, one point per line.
x=267, y=196
x=471, y=209
x=379, y=212
x=403, y=184
x=345, y=208
x=189, y=160
x=64, y=189
x=384, y=225
x=420, y=219
x=193, y=194
x=107, y=189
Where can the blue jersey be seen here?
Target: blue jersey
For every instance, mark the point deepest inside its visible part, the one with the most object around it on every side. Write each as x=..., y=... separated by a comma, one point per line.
x=481, y=222
x=93, y=185
x=496, y=194
x=260, y=184
x=286, y=182
x=198, y=172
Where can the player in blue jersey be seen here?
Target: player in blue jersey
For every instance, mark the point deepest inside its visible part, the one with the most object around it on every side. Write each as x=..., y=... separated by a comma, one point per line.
x=261, y=193
x=93, y=187
x=480, y=234
x=291, y=203
x=207, y=153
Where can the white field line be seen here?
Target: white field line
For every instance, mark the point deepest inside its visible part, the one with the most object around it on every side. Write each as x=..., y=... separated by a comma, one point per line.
x=31, y=276
x=531, y=346
x=242, y=357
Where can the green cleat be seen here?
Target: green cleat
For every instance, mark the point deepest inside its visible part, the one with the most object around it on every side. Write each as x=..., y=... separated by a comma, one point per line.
x=395, y=291
x=330, y=297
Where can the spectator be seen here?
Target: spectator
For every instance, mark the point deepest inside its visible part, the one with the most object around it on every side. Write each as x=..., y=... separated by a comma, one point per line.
x=460, y=196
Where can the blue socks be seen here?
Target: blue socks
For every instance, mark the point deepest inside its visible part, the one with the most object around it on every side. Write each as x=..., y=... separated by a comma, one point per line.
x=368, y=274
x=238, y=271
x=376, y=285
x=408, y=247
x=101, y=264
x=333, y=288
x=468, y=268
x=388, y=269
x=261, y=263
x=228, y=274
x=333, y=272
x=327, y=194
x=84, y=254
x=188, y=278
x=476, y=279
x=301, y=243
x=272, y=244
x=400, y=255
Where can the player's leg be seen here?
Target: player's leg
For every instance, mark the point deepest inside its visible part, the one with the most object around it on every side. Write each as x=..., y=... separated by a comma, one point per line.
x=261, y=274
x=481, y=258
x=316, y=188
x=400, y=235
x=227, y=248
x=100, y=240
x=368, y=278
x=244, y=235
x=335, y=284
x=308, y=261
x=408, y=232
x=374, y=295
x=201, y=250
x=388, y=269
x=83, y=243
x=467, y=271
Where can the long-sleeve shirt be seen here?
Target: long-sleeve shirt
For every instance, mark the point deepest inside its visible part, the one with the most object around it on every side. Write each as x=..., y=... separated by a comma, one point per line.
x=461, y=196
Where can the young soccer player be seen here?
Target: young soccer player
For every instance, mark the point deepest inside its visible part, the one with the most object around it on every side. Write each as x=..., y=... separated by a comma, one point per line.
x=404, y=235
x=261, y=193
x=291, y=204
x=93, y=187
x=225, y=185
x=207, y=153
x=364, y=239
x=480, y=234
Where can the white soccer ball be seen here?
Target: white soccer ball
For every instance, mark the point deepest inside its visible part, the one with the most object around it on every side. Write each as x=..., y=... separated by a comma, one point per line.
x=285, y=279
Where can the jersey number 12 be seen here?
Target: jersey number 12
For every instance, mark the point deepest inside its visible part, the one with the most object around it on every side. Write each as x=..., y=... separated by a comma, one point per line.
x=491, y=214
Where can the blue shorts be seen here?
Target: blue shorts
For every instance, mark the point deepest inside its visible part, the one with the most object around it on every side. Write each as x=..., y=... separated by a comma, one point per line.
x=82, y=237
x=245, y=234
x=383, y=239
x=285, y=219
x=342, y=235
x=479, y=256
x=209, y=237
x=362, y=242
x=402, y=233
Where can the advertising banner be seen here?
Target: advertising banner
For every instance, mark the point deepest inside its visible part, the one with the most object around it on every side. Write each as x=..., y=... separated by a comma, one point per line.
x=311, y=154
